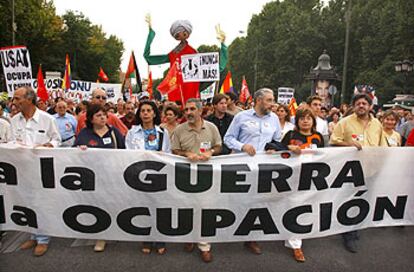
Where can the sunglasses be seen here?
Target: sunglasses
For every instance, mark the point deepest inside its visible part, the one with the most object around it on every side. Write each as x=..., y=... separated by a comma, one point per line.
x=101, y=97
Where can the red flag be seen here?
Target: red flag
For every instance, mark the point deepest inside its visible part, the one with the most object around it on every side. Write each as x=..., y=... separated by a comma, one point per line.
x=170, y=82
x=149, y=88
x=227, y=85
x=102, y=75
x=42, y=93
x=293, y=106
x=244, y=92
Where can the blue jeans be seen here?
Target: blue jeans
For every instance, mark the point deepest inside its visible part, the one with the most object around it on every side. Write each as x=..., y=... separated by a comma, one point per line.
x=41, y=239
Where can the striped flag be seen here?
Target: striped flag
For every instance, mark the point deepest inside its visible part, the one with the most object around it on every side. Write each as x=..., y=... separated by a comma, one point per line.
x=67, y=76
x=227, y=86
x=292, y=107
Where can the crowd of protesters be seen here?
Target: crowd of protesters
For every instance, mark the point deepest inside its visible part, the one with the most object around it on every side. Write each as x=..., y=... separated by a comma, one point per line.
x=198, y=131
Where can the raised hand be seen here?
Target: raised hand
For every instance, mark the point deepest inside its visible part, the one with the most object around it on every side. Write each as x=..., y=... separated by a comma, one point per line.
x=221, y=36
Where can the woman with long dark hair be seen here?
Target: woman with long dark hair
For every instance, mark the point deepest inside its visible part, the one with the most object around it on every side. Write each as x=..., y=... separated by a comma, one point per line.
x=148, y=135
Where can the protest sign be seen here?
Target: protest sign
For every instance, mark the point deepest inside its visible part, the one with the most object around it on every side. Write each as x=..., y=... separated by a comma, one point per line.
x=284, y=95
x=200, y=67
x=151, y=196
x=80, y=90
x=17, y=67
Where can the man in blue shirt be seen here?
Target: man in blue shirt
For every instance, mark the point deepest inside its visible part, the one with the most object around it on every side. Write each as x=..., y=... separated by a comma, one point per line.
x=66, y=124
x=252, y=129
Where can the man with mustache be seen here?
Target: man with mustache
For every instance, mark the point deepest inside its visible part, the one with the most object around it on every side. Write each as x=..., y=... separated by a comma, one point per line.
x=129, y=118
x=252, y=129
x=359, y=129
x=198, y=140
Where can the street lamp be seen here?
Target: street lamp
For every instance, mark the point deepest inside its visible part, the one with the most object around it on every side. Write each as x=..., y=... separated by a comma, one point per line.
x=405, y=67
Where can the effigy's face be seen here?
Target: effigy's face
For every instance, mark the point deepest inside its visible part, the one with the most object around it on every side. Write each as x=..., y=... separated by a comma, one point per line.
x=181, y=36
x=322, y=90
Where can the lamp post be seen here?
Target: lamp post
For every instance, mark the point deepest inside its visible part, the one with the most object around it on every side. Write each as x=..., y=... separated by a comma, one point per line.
x=405, y=67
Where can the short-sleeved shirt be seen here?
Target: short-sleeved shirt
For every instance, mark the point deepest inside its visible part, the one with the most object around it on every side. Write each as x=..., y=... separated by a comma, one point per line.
x=351, y=129
x=393, y=139
x=66, y=124
x=188, y=139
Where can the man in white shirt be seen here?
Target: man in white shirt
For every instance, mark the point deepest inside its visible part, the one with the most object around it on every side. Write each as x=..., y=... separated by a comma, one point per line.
x=5, y=131
x=33, y=127
x=315, y=103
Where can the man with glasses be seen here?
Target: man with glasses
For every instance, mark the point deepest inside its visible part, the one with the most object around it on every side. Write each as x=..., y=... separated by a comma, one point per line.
x=66, y=123
x=99, y=97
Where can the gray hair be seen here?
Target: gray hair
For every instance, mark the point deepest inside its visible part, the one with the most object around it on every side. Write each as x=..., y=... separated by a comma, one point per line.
x=261, y=92
x=97, y=89
x=197, y=101
x=29, y=94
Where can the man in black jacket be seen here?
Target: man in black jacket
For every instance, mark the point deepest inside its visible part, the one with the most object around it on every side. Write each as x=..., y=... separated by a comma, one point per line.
x=221, y=118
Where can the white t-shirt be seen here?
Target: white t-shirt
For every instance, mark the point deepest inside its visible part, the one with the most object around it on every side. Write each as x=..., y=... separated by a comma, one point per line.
x=322, y=126
x=288, y=127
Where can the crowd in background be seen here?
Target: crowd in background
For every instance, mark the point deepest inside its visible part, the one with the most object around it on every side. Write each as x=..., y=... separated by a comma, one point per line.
x=199, y=130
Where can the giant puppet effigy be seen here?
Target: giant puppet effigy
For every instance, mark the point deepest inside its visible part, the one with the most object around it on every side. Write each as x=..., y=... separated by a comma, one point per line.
x=181, y=31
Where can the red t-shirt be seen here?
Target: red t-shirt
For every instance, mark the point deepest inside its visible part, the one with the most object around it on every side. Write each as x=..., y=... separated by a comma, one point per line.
x=112, y=121
x=410, y=139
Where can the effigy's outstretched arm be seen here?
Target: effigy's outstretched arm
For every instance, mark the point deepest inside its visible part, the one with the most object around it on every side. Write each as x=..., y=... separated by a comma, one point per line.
x=157, y=59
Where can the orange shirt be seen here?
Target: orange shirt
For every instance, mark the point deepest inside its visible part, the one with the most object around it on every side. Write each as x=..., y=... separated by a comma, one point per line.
x=112, y=121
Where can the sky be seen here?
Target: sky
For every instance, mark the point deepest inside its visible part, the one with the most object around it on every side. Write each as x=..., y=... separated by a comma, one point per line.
x=126, y=20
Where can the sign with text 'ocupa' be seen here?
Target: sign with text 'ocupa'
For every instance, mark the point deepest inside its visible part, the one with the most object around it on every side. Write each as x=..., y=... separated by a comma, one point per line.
x=151, y=196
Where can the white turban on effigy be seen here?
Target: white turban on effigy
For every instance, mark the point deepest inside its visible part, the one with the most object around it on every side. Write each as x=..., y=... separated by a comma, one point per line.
x=181, y=26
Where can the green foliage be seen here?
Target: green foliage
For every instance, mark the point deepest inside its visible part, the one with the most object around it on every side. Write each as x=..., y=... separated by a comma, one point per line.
x=208, y=48
x=285, y=40
x=49, y=37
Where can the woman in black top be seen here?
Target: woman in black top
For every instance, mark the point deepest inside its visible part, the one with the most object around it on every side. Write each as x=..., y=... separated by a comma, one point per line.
x=304, y=136
x=97, y=134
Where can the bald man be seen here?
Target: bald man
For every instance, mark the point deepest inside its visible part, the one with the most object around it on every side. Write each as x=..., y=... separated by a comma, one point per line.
x=99, y=97
x=66, y=123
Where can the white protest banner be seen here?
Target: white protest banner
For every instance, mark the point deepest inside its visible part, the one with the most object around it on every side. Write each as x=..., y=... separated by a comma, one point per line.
x=80, y=90
x=200, y=67
x=17, y=67
x=208, y=92
x=150, y=196
x=284, y=95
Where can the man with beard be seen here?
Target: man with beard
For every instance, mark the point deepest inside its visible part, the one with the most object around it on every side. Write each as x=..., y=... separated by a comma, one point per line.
x=252, y=129
x=129, y=118
x=359, y=129
x=197, y=140
x=221, y=118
